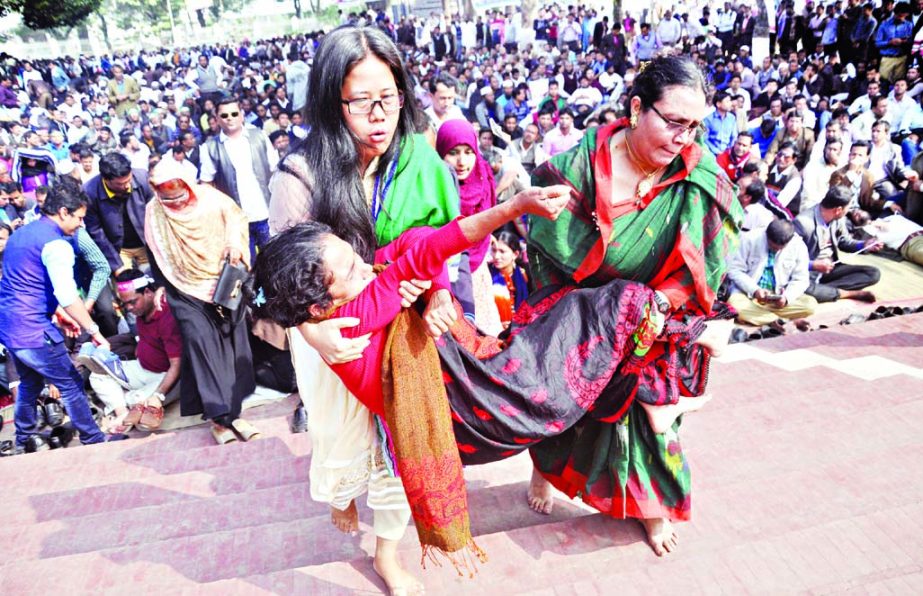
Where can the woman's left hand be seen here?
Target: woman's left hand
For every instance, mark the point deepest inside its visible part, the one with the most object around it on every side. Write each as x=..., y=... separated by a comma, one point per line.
x=716, y=335
x=411, y=290
x=440, y=314
x=233, y=254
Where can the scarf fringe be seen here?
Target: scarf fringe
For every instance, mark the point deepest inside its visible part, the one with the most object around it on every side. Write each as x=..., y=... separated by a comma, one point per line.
x=465, y=559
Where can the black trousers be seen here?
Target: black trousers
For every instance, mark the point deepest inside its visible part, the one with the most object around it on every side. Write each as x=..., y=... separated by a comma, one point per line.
x=843, y=277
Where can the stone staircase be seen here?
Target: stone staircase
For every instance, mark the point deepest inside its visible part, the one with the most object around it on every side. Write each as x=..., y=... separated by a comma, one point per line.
x=806, y=480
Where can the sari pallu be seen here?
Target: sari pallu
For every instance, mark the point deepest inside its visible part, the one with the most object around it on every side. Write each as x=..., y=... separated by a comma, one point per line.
x=502, y=396
x=677, y=242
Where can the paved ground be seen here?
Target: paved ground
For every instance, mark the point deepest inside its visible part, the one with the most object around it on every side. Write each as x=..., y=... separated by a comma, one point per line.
x=807, y=475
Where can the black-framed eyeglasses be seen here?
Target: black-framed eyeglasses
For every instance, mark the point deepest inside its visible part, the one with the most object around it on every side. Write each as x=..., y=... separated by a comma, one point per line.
x=675, y=127
x=365, y=105
x=227, y=115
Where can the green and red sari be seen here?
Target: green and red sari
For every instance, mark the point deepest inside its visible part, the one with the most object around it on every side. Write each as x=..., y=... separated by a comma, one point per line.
x=675, y=240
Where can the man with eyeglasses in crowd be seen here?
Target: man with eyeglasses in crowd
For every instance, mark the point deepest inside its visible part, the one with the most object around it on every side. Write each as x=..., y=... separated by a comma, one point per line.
x=239, y=162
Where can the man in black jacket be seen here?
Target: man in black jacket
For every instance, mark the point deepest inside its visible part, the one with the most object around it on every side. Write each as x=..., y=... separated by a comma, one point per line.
x=117, y=197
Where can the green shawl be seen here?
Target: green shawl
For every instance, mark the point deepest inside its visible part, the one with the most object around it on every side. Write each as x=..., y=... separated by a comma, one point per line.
x=691, y=241
x=423, y=192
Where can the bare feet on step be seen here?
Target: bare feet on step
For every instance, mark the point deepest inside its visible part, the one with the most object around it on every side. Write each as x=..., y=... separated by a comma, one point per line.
x=660, y=535
x=346, y=521
x=663, y=417
x=399, y=581
x=541, y=494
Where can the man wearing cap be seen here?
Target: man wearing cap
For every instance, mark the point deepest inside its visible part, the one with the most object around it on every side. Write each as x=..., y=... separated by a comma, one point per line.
x=142, y=384
x=486, y=109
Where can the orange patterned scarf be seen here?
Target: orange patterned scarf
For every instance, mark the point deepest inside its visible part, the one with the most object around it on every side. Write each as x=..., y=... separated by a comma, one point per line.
x=418, y=416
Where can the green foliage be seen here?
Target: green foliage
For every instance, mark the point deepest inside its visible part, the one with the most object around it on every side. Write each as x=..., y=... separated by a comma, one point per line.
x=49, y=14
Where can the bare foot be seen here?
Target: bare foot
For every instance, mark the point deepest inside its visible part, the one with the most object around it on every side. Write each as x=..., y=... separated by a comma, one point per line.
x=399, y=581
x=660, y=535
x=860, y=295
x=716, y=335
x=541, y=494
x=346, y=521
x=663, y=417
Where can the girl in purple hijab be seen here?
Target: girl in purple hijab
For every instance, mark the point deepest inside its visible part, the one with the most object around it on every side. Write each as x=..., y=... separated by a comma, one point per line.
x=457, y=145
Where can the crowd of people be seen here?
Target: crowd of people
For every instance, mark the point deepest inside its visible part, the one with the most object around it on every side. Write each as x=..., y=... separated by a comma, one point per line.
x=619, y=182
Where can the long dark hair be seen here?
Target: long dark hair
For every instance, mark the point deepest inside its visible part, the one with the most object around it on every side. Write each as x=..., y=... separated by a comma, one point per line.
x=330, y=148
x=289, y=276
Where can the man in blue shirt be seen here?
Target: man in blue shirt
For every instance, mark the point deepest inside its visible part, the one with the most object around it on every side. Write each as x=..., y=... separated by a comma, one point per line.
x=37, y=278
x=720, y=125
x=893, y=41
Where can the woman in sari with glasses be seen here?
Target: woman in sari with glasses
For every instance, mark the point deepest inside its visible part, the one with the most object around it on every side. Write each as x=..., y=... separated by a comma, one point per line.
x=365, y=172
x=651, y=206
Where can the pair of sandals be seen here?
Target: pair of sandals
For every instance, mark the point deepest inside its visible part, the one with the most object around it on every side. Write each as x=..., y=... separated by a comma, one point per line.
x=240, y=429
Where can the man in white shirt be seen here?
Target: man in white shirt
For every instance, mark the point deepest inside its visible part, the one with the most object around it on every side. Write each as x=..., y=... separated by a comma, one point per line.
x=668, y=30
x=443, y=108
x=816, y=175
x=239, y=162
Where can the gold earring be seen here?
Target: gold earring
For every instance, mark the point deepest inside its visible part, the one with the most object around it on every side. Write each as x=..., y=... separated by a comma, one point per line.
x=633, y=121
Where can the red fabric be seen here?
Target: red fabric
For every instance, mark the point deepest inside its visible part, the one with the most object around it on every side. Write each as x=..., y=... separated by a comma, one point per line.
x=423, y=253
x=158, y=340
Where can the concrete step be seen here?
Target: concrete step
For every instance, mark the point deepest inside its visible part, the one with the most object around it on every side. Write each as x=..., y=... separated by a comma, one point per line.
x=189, y=450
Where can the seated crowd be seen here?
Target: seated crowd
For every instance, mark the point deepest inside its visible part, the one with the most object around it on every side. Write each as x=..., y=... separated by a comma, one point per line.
x=823, y=140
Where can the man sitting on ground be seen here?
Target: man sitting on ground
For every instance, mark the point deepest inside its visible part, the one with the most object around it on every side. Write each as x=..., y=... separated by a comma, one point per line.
x=769, y=275
x=824, y=231
x=143, y=383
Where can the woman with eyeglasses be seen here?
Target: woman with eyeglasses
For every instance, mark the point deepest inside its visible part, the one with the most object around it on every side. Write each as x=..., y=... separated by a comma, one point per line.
x=651, y=206
x=365, y=172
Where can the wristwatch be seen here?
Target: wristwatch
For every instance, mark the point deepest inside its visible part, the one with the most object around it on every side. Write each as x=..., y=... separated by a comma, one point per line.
x=663, y=305
x=93, y=329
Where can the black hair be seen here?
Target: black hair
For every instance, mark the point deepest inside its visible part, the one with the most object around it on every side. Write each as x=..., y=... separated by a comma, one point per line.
x=751, y=167
x=780, y=232
x=331, y=150
x=42, y=190
x=226, y=99
x=565, y=112
x=289, y=276
x=133, y=274
x=745, y=133
x=446, y=79
x=789, y=145
x=663, y=72
x=276, y=134
x=114, y=165
x=125, y=137
x=837, y=196
x=510, y=239
x=756, y=190
x=67, y=196
x=862, y=143
x=9, y=230
x=11, y=186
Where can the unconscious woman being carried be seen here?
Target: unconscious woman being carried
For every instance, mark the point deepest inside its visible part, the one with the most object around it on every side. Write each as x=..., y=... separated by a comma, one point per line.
x=476, y=396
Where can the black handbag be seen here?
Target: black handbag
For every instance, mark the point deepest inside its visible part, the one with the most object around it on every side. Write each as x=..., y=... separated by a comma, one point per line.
x=228, y=292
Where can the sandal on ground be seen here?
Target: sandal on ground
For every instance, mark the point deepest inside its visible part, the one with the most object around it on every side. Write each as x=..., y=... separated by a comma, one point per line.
x=245, y=430
x=223, y=435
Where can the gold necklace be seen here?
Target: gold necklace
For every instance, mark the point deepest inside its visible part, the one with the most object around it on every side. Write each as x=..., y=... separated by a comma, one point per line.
x=645, y=185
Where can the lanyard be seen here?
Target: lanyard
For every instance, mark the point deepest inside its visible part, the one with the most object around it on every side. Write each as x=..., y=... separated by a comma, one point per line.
x=378, y=198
